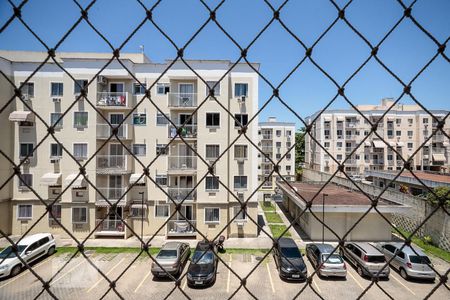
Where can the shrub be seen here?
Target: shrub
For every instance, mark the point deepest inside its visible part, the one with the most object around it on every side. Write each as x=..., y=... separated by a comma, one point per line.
x=441, y=192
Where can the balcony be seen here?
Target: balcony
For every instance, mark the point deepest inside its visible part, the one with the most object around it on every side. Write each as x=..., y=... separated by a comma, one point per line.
x=109, y=227
x=181, y=228
x=182, y=163
x=182, y=100
x=112, y=194
x=187, y=131
x=104, y=131
x=113, y=164
x=267, y=136
x=178, y=194
x=112, y=100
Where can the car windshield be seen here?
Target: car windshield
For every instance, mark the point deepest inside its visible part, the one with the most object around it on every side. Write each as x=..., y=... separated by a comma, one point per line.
x=419, y=259
x=290, y=252
x=167, y=254
x=201, y=259
x=8, y=253
x=332, y=259
x=376, y=259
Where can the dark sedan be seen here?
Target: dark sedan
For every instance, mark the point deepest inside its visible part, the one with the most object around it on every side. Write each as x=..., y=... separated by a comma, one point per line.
x=289, y=261
x=203, y=267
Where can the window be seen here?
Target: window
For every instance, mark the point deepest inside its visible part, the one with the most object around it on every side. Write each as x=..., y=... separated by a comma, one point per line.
x=25, y=180
x=161, y=179
x=80, y=150
x=398, y=121
x=240, y=89
x=139, y=149
x=78, y=85
x=161, y=148
x=161, y=119
x=55, y=150
x=139, y=89
x=210, y=84
x=80, y=119
x=339, y=157
x=240, y=214
x=212, y=151
x=425, y=120
x=240, y=151
x=137, y=212
x=339, y=133
x=212, y=119
x=26, y=149
x=288, y=168
x=56, y=211
x=240, y=182
x=288, y=133
x=278, y=133
x=24, y=211
x=410, y=121
x=288, y=156
x=410, y=145
x=288, y=145
x=326, y=144
x=211, y=183
x=278, y=156
x=278, y=144
x=327, y=133
x=54, y=120
x=27, y=89
x=162, y=88
x=212, y=215
x=339, y=144
x=140, y=119
x=56, y=89
x=390, y=157
x=79, y=215
x=398, y=133
x=241, y=120
x=410, y=133
x=161, y=211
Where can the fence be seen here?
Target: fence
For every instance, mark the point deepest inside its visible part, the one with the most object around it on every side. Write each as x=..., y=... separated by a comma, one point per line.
x=113, y=101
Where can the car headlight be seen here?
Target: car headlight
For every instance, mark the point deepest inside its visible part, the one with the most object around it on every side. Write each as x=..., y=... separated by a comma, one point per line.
x=283, y=269
x=189, y=276
x=3, y=267
x=210, y=276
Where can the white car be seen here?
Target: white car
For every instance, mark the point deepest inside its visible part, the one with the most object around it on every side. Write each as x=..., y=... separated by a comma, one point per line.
x=30, y=249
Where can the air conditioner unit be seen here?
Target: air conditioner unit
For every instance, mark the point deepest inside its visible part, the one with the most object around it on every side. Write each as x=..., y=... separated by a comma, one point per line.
x=102, y=80
x=26, y=161
x=25, y=97
x=54, y=160
x=241, y=99
x=56, y=100
x=240, y=224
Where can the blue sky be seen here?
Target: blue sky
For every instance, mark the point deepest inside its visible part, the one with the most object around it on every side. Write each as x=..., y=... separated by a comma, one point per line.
x=340, y=52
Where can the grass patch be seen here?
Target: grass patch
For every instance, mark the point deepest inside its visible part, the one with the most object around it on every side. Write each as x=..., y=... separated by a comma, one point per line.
x=273, y=217
x=105, y=250
x=256, y=252
x=277, y=230
x=267, y=206
x=428, y=248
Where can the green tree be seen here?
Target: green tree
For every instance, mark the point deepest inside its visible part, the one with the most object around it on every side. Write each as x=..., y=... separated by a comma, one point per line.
x=299, y=147
x=440, y=191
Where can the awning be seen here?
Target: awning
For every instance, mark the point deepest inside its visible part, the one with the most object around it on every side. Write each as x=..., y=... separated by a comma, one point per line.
x=392, y=144
x=378, y=144
x=439, y=157
x=400, y=144
x=340, y=118
x=51, y=179
x=327, y=118
x=103, y=203
x=446, y=144
x=138, y=206
x=134, y=178
x=21, y=116
x=78, y=183
x=367, y=143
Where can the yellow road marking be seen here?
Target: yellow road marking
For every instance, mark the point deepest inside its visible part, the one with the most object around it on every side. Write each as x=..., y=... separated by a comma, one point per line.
x=317, y=287
x=229, y=275
x=26, y=272
x=184, y=284
x=402, y=284
x=349, y=273
x=270, y=278
x=142, y=282
x=68, y=272
x=109, y=272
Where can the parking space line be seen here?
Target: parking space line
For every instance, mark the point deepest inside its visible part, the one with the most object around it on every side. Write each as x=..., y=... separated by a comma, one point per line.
x=142, y=282
x=354, y=278
x=68, y=272
x=391, y=275
x=26, y=272
x=229, y=274
x=317, y=287
x=270, y=278
x=109, y=272
x=184, y=284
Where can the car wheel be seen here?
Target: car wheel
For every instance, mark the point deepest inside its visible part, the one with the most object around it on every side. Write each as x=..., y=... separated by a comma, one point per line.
x=403, y=274
x=16, y=270
x=51, y=251
x=360, y=271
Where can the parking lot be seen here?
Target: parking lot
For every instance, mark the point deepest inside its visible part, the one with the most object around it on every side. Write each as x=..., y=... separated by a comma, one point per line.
x=80, y=280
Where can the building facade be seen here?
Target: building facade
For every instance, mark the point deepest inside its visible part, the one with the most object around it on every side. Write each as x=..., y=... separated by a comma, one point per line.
x=275, y=140
x=405, y=128
x=147, y=129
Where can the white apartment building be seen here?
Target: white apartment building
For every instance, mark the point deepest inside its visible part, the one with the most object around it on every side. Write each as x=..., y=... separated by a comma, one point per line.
x=179, y=95
x=275, y=140
x=405, y=128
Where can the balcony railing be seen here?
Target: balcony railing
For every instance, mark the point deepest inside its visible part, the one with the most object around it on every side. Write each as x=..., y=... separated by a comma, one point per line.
x=180, y=228
x=104, y=131
x=179, y=194
x=182, y=162
x=266, y=136
x=110, y=225
x=111, y=193
x=112, y=162
x=112, y=99
x=182, y=100
x=187, y=131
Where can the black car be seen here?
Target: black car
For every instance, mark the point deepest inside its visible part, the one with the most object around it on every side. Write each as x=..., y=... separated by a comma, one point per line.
x=203, y=267
x=289, y=261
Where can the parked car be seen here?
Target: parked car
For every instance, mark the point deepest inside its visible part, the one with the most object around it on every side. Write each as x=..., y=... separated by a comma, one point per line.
x=30, y=249
x=172, y=258
x=367, y=259
x=203, y=267
x=410, y=264
x=327, y=264
x=289, y=261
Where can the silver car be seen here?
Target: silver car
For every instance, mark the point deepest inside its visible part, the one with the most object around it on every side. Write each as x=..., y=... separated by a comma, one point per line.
x=172, y=258
x=325, y=263
x=411, y=262
x=367, y=259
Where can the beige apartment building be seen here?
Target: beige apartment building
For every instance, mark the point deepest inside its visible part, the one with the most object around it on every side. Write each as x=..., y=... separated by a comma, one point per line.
x=176, y=172
x=405, y=128
x=275, y=140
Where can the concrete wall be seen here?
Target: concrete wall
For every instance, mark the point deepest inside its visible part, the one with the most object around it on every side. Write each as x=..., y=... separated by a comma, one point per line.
x=438, y=226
